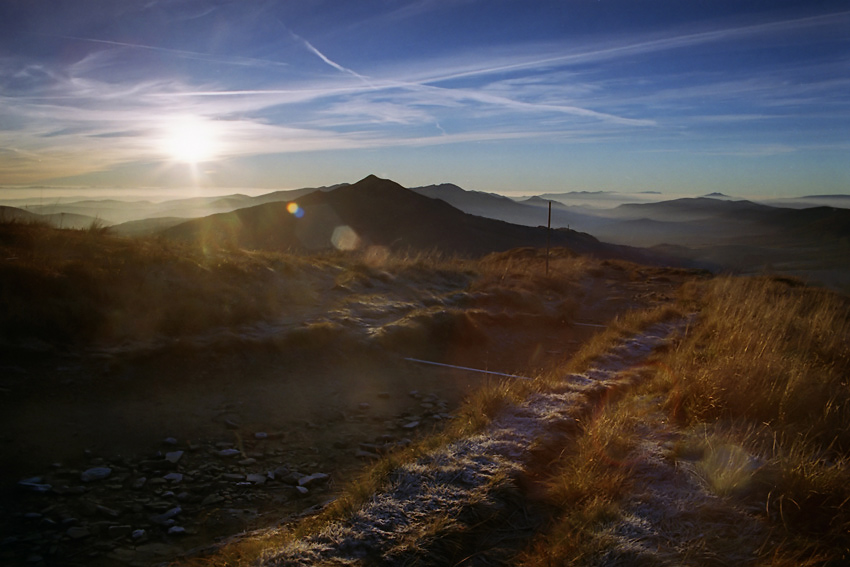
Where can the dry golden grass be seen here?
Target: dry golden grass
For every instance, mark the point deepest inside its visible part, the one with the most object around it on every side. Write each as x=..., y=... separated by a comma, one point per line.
x=770, y=361
x=585, y=486
x=78, y=287
x=83, y=286
x=760, y=387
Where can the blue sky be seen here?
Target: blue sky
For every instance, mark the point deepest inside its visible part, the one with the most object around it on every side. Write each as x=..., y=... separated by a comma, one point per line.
x=750, y=98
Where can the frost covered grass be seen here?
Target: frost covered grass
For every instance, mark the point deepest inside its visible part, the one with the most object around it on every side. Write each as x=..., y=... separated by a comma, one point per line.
x=71, y=287
x=437, y=502
x=766, y=375
x=741, y=456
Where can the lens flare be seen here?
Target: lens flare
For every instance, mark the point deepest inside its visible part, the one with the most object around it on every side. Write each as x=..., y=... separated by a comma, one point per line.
x=295, y=210
x=344, y=238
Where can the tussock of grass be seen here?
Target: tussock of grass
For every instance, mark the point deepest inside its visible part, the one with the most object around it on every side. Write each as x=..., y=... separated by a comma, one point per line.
x=769, y=363
x=585, y=488
x=760, y=385
x=770, y=352
x=78, y=287
x=83, y=286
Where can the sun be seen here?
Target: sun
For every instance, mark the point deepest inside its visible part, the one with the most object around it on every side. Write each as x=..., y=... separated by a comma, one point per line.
x=191, y=140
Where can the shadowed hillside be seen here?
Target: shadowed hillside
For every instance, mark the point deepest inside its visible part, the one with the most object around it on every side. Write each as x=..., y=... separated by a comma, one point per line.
x=379, y=213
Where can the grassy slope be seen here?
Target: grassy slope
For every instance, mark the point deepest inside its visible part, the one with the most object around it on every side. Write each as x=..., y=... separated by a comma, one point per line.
x=761, y=376
x=753, y=407
x=69, y=287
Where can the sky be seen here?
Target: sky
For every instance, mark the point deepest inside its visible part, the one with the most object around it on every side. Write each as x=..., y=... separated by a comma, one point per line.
x=748, y=98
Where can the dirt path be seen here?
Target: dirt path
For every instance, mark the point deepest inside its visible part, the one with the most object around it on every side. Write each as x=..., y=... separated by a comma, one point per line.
x=318, y=403
x=462, y=504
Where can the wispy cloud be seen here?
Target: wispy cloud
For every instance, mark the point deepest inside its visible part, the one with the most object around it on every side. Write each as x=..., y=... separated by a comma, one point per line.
x=93, y=113
x=212, y=58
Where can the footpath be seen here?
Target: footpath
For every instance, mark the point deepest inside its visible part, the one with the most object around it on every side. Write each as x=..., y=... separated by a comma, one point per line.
x=466, y=503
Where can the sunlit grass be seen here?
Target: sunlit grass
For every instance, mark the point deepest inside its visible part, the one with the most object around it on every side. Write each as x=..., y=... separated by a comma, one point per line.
x=759, y=389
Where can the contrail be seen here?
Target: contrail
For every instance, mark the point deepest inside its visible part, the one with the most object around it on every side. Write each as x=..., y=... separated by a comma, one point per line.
x=334, y=64
x=231, y=60
x=324, y=57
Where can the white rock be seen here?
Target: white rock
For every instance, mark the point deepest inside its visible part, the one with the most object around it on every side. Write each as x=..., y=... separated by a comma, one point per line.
x=173, y=456
x=312, y=479
x=173, y=477
x=256, y=478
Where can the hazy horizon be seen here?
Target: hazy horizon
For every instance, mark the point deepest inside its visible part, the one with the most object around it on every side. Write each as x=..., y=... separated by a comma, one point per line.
x=195, y=97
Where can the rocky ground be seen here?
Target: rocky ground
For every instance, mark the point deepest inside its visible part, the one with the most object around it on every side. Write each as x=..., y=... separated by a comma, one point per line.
x=138, y=456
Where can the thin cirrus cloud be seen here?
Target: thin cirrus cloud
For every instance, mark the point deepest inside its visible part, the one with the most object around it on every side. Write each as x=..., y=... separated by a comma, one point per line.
x=97, y=111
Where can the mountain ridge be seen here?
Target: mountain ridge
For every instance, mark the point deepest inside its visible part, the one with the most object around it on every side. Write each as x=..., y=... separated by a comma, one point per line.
x=380, y=212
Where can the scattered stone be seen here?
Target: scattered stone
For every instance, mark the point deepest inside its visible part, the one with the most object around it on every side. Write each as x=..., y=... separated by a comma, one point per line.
x=261, y=435
x=212, y=499
x=228, y=452
x=34, y=485
x=139, y=482
x=230, y=424
x=176, y=530
x=361, y=454
x=138, y=534
x=256, y=478
x=411, y=425
x=116, y=532
x=232, y=476
x=166, y=517
x=78, y=532
x=302, y=490
x=108, y=511
x=173, y=456
x=173, y=477
x=248, y=461
x=312, y=479
x=280, y=471
x=95, y=473
x=170, y=441
x=364, y=406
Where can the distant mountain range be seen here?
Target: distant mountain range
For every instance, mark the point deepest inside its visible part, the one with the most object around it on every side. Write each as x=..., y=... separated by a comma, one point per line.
x=715, y=231
x=380, y=212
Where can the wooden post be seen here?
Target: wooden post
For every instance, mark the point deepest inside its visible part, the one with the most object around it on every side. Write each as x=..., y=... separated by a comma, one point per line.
x=548, y=233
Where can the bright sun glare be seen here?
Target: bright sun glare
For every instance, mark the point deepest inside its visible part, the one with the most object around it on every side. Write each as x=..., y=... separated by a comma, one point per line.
x=191, y=140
